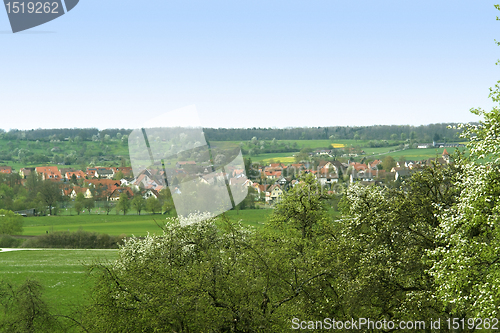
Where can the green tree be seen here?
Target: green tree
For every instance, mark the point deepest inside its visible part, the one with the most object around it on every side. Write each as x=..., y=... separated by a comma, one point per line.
x=50, y=193
x=303, y=155
x=123, y=204
x=384, y=237
x=79, y=207
x=212, y=277
x=402, y=160
x=388, y=163
x=33, y=182
x=107, y=206
x=466, y=265
x=153, y=205
x=302, y=207
x=118, y=176
x=249, y=201
x=10, y=223
x=25, y=309
x=89, y=203
x=138, y=203
x=168, y=201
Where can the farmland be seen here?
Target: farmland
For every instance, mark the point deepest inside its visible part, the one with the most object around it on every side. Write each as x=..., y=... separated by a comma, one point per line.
x=61, y=272
x=138, y=225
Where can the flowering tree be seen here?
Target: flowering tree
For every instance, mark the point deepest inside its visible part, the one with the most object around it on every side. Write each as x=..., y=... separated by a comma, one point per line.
x=467, y=266
x=382, y=242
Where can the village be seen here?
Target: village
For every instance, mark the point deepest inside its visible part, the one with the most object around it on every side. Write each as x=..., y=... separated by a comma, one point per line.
x=266, y=184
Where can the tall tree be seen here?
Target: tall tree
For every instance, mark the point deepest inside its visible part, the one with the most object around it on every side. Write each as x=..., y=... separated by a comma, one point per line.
x=123, y=204
x=382, y=245
x=388, y=163
x=153, y=205
x=89, y=203
x=138, y=203
x=50, y=194
x=10, y=223
x=302, y=207
x=467, y=264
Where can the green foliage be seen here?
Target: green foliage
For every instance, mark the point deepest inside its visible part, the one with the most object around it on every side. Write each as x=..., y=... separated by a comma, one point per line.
x=74, y=240
x=107, y=206
x=78, y=207
x=249, y=201
x=383, y=243
x=24, y=310
x=303, y=155
x=302, y=207
x=138, y=203
x=216, y=277
x=388, y=163
x=9, y=241
x=123, y=204
x=89, y=203
x=466, y=265
x=50, y=194
x=153, y=205
x=10, y=223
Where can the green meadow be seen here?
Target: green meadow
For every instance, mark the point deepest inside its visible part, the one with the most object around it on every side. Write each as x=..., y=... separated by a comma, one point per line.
x=112, y=224
x=417, y=154
x=61, y=272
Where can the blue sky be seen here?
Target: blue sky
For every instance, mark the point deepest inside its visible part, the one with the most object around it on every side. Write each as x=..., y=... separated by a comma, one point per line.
x=110, y=64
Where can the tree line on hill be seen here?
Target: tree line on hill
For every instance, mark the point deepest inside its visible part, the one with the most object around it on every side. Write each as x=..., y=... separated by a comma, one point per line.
x=423, y=133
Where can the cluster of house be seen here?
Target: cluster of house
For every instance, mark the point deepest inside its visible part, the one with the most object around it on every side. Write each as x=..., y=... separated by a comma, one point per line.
x=282, y=177
x=94, y=181
x=102, y=182
x=274, y=178
x=328, y=173
x=435, y=144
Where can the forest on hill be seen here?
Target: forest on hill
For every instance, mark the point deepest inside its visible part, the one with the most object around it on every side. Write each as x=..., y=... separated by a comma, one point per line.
x=422, y=133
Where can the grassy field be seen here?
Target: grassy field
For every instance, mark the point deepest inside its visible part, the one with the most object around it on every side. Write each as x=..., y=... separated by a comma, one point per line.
x=418, y=154
x=138, y=225
x=371, y=153
x=275, y=157
x=61, y=272
x=313, y=144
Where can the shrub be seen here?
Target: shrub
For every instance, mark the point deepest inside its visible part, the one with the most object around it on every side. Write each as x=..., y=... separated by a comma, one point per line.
x=9, y=241
x=75, y=240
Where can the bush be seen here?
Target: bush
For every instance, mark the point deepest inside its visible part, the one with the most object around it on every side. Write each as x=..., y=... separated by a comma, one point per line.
x=9, y=241
x=75, y=240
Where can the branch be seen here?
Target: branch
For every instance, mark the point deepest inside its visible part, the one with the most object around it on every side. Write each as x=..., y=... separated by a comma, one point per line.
x=296, y=292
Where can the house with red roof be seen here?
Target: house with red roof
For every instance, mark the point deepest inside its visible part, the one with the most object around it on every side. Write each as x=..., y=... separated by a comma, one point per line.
x=49, y=173
x=446, y=156
x=115, y=195
x=358, y=166
x=272, y=174
x=374, y=165
x=79, y=174
x=6, y=169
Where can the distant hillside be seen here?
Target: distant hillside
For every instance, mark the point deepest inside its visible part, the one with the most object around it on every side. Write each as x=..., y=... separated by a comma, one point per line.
x=423, y=133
